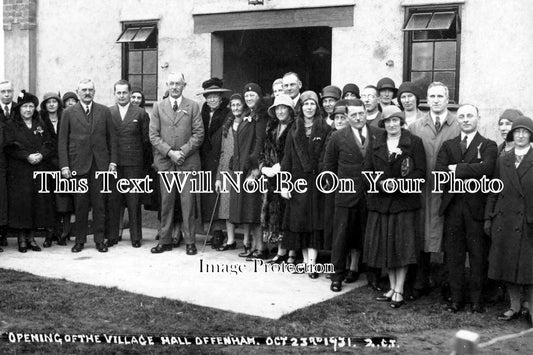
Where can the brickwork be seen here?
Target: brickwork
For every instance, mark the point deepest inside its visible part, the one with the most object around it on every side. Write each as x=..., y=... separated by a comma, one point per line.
x=21, y=12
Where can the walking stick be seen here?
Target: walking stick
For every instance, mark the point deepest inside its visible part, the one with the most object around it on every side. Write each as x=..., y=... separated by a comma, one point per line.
x=211, y=221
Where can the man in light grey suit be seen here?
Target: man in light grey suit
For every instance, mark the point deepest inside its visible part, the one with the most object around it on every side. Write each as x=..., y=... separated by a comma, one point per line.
x=176, y=132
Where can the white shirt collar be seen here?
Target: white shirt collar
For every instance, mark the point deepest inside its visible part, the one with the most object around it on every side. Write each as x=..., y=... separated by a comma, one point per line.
x=178, y=100
x=363, y=130
x=470, y=136
x=123, y=110
x=295, y=100
x=442, y=116
x=372, y=117
x=90, y=106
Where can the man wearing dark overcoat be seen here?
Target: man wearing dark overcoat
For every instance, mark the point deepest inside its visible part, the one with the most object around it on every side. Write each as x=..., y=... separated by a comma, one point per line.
x=176, y=132
x=86, y=145
x=469, y=156
x=131, y=126
x=6, y=113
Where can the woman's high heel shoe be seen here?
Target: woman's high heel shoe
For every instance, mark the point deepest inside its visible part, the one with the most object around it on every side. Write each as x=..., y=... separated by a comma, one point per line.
x=227, y=246
x=395, y=302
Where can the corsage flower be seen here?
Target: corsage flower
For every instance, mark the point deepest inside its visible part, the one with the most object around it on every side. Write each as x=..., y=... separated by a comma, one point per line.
x=39, y=130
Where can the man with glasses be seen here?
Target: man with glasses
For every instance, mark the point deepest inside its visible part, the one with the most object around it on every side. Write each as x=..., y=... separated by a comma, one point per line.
x=87, y=144
x=370, y=97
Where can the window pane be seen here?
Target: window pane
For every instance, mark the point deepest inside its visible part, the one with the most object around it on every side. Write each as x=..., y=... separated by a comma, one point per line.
x=448, y=79
x=445, y=55
x=150, y=62
x=441, y=21
x=127, y=35
x=422, y=80
x=135, y=81
x=150, y=87
x=135, y=62
x=143, y=34
x=418, y=21
x=422, y=56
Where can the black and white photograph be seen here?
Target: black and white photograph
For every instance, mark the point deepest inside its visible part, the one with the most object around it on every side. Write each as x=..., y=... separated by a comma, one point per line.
x=266, y=176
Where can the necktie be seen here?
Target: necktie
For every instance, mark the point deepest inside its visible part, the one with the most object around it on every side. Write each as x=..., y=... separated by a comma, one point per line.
x=6, y=109
x=437, y=123
x=518, y=160
x=87, y=111
x=361, y=135
x=175, y=106
x=464, y=145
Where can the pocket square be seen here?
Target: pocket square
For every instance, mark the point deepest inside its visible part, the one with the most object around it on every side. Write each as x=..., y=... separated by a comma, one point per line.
x=135, y=121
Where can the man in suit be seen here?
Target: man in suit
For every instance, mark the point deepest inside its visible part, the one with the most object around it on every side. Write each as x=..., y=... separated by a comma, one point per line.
x=6, y=101
x=469, y=156
x=176, y=132
x=292, y=87
x=131, y=126
x=436, y=127
x=370, y=97
x=87, y=144
x=6, y=113
x=345, y=155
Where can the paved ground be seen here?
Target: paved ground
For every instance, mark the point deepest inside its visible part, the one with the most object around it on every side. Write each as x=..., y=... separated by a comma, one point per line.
x=176, y=275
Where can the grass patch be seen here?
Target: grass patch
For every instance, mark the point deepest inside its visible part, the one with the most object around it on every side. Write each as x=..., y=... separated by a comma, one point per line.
x=30, y=303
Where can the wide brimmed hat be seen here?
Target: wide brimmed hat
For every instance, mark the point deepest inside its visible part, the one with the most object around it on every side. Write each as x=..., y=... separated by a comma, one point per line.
x=520, y=122
x=281, y=99
x=389, y=112
x=26, y=97
x=48, y=96
x=351, y=88
x=387, y=83
x=213, y=86
x=331, y=91
x=510, y=115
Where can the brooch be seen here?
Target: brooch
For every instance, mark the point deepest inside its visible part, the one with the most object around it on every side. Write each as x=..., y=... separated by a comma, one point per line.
x=39, y=130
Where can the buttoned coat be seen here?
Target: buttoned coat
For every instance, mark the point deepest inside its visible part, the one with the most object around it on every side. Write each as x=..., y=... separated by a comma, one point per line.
x=82, y=139
x=304, y=158
x=3, y=187
x=132, y=135
x=479, y=160
x=511, y=212
x=345, y=158
x=176, y=130
x=3, y=117
x=425, y=129
x=410, y=164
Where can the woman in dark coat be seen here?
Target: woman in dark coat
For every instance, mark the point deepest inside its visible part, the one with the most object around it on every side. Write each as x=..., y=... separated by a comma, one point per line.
x=393, y=234
x=509, y=218
x=245, y=207
x=505, y=123
x=214, y=113
x=281, y=119
x=29, y=148
x=303, y=222
x=51, y=110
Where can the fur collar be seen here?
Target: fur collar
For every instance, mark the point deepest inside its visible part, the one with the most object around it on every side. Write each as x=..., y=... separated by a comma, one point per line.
x=309, y=150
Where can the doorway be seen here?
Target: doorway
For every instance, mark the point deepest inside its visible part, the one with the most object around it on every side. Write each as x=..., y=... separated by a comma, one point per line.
x=264, y=55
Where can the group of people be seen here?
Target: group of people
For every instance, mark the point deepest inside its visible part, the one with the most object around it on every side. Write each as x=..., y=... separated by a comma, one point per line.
x=370, y=140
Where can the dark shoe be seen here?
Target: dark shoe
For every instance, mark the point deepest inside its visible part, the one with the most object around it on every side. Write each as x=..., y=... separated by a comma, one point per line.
x=62, y=240
x=477, y=307
x=247, y=251
x=191, y=249
x=278, y=259
x=384, y=297
x=3, y=241
x=508, y=315
x=101, y=247
x=77, y=247
x=136, y=244
x=336, y=286
x=23, y=247
x=110, y=242
x=398, y=302
x=258, y=254
x=33, y=246
x=313, y=275
x=291, y=260
x=454, y=307
x=226, y=246
x=1, y=250
x=47, y=243
x=158, y=249
x=351, y=277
